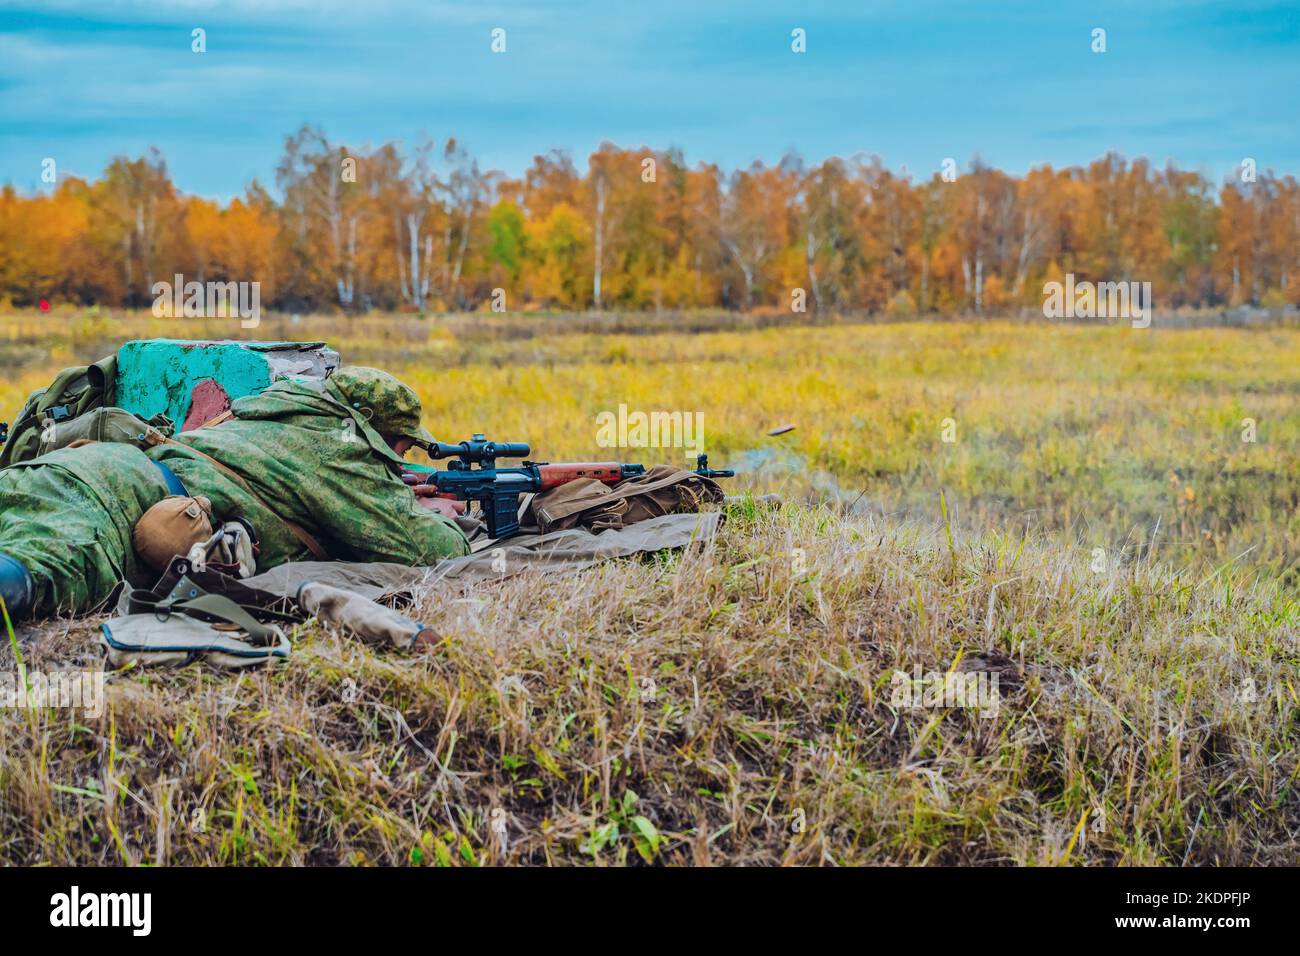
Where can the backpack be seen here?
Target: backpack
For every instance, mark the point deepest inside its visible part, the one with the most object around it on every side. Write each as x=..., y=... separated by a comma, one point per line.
x=105, y=424
x=594, y=505
x=73, y=392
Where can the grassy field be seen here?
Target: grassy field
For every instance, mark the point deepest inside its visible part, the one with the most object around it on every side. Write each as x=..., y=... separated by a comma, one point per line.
x=737, y=704
x=1109, y=437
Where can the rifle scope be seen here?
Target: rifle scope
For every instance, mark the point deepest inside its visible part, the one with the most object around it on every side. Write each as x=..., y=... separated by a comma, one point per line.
x=478, y=449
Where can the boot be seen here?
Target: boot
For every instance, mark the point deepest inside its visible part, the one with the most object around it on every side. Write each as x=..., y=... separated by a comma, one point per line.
x=16, y=587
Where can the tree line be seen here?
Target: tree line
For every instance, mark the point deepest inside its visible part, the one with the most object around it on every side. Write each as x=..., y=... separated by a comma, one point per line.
x=638, y=229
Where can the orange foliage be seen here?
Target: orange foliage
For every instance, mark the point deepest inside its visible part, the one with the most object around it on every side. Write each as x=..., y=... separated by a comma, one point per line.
x=640, y=230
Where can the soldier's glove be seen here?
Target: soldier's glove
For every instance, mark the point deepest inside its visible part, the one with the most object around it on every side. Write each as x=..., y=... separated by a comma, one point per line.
x=234, y=549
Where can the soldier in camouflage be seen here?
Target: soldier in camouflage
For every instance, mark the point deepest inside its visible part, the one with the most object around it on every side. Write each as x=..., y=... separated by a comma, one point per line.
x=65, y=526
x=314, y=466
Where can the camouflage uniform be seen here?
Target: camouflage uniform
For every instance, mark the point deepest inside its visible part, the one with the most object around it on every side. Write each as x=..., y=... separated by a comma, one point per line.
x=314, y=452
x=67, y=517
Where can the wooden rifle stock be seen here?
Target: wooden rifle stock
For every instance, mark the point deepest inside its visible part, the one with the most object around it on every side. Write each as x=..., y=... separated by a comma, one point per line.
x=610, y=472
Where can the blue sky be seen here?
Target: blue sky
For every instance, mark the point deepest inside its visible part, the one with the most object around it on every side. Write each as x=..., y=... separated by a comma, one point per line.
x=1202, y=82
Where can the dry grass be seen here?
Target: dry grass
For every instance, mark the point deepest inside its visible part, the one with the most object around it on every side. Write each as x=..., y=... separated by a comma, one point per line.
x=688, y=707
x=693, y=708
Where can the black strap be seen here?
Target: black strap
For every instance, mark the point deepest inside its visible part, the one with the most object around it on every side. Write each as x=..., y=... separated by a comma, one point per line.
x=180, y=578
x=204, y=606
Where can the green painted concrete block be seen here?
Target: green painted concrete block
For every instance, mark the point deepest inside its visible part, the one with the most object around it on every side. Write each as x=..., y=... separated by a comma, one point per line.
x=161, y=375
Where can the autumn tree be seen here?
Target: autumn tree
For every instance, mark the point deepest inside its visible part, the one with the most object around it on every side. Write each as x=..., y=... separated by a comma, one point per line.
x=136, y=212
x=361, y=228
x=755, y=224
x=322, y=211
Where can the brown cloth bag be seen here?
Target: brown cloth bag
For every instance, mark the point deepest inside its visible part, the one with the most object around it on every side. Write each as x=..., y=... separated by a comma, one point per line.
x=594, y=505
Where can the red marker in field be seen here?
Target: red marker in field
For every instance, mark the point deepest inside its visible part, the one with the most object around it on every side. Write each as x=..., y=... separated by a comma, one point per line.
x=45, y=305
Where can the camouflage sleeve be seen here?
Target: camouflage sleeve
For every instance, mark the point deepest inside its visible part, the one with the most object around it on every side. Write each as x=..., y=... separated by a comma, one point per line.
x=388, y=524
x=435, y=536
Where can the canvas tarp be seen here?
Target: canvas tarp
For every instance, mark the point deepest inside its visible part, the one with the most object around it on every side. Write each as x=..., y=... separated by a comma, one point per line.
x=559, y=551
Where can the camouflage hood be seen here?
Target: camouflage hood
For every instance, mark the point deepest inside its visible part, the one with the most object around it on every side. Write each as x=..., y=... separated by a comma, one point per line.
x=392, y=407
